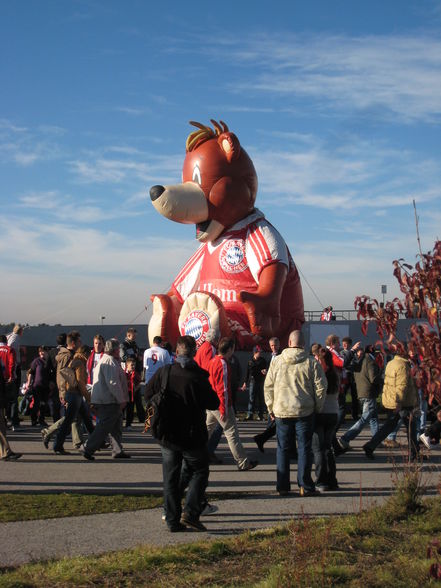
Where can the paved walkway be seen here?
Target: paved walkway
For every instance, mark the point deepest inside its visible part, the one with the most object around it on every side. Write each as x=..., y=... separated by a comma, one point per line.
x=362, y=483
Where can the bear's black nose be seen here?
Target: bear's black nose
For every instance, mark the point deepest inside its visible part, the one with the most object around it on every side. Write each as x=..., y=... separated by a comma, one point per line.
x=155, y=192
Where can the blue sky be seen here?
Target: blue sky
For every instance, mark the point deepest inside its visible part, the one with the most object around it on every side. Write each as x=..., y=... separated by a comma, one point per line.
x=338, y=104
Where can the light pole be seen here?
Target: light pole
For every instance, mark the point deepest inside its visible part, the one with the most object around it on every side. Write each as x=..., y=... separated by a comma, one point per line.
x=102, y=319
x=383, y=291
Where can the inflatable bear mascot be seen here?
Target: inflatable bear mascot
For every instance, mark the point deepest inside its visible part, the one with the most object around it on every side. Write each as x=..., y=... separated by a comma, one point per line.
x=242, y=280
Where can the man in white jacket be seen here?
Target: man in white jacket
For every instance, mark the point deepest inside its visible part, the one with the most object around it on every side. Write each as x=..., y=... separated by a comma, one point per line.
x=295, y=389
x=109, y=399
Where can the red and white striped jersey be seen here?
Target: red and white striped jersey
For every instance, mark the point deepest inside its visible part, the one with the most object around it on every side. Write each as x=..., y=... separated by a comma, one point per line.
x=233, y=263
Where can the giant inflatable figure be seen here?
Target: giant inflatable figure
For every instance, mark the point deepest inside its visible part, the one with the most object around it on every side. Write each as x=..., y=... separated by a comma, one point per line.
x=242, y=280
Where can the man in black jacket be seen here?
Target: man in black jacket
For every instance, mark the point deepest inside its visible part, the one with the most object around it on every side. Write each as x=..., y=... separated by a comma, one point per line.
x=129, y=348
x=368, y=380
x=256, y=372
x=187, y=396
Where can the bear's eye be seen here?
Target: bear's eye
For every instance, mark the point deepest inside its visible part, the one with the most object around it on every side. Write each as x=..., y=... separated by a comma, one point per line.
x=197, y=174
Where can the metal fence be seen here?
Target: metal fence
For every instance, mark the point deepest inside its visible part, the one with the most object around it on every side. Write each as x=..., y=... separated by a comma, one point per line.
x=340, y=315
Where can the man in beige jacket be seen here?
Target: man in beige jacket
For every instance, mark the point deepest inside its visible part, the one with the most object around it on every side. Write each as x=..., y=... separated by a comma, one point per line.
x=400, y=398
x=295, y=389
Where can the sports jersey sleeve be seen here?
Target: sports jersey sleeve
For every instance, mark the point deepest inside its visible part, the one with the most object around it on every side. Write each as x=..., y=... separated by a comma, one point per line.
x=12, y=364
x=264, y=246
x=187, y=281
x=219, y=382
x=337, y=360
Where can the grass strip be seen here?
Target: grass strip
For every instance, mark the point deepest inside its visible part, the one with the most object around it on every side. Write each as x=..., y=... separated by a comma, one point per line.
x=385, y=546
x=27, y=507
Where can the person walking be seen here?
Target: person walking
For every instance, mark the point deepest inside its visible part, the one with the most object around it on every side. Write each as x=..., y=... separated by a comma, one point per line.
x=54, y=396
x=37, y=384
x=400, y=398
x=256, y=372
x=79, y=410
x=70, y=397
x=295, y=389
x=348, y=380
x=203, y=357
x=13, y=340
x=7, y=372
x=220, y=380
x=261, y=438
x=187, y=395
x=368, y=380
x=109, y=398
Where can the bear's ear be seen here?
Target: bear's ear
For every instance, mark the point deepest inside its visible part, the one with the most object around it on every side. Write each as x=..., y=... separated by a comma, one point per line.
x=230, y=145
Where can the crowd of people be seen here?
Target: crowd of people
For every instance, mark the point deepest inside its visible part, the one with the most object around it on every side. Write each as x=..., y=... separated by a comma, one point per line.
x=302, y=393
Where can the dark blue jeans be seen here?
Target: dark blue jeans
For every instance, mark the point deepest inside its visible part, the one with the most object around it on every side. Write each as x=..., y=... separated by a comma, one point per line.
x=302, y=429
x=12, y=393
x=325, y=467
x=74, y=406
x=369, y=414
x=214, y=439
x=256, y=401
x=196, y=465
x=411, y=424
x=341, y=410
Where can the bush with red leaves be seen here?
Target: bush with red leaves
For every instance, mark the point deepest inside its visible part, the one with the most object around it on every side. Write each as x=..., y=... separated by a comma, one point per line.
x=421, y=287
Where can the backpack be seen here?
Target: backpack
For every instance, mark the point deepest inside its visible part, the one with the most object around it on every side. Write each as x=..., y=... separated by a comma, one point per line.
x=157, y=409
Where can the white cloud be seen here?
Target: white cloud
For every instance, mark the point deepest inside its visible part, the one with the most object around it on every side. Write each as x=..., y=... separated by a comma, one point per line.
x=64, y=207
x=391, y=75
x=25, y=147
x=106, y=170
x=52, y=130
x=90, y=251
x=131, y=111
x=41, y=200
x=355, y=175
x=141, y=166
x=253, y=109
x=75, y=273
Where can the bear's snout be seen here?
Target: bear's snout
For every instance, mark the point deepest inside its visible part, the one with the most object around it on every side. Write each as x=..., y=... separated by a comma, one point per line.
x=155, y=192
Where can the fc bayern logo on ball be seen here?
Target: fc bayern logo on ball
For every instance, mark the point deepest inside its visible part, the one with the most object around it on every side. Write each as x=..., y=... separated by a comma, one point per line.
x=232, y=256
x=196, y=324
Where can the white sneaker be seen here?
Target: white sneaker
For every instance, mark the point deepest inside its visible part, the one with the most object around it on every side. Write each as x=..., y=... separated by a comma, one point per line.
x=425, y=439
x=163, y=516
x=209, y=509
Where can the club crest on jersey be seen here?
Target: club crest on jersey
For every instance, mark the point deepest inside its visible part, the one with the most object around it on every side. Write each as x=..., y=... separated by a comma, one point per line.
x=232, y=256
x=196, y=324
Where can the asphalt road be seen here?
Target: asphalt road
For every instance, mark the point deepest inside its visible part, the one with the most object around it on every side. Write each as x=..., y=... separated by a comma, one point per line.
x=362, y=483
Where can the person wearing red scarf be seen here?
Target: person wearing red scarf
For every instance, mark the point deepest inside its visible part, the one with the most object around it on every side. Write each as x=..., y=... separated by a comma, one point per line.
x=134, y=388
